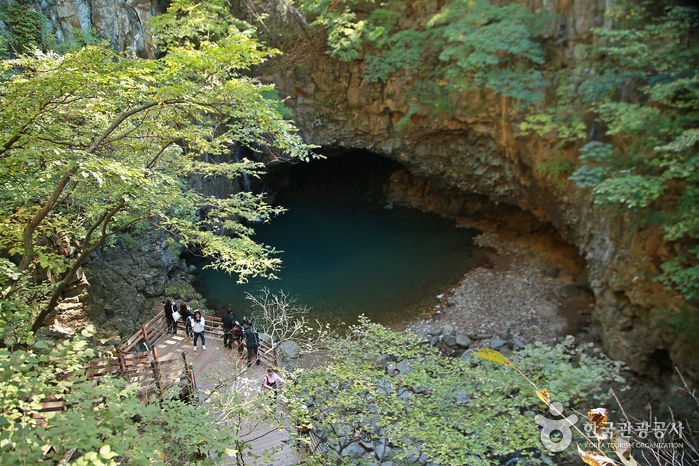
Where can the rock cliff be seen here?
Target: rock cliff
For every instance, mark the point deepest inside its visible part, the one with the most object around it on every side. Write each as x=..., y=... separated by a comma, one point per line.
x=474, y=156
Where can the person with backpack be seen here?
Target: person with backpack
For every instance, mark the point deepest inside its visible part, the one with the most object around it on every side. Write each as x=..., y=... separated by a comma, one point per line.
x=252, y=343
x=238, y=335
x=186, y=313
x=170, y=308
x=272, y=381
x=228, y=322
x=198, y=327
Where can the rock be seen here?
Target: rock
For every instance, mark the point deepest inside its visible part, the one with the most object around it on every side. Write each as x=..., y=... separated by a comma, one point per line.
x=517, y=344
x=497, y=343
x=462, y=340
x=449, y=340
x=480, y=336
x=447, y=329
x=353, y=450
x=404, y=368
x=289, y=350
x=381, y=449
x=385, y=387
x=461, y=397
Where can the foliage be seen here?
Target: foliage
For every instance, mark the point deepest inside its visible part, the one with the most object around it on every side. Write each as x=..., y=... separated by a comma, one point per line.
x=648, y=158
x=556, y=168
x=393, y=389
x=561, y=120
x=81, y=39
x=467, y=45
x=94, y=143
x=24, y=27
x=105, y=423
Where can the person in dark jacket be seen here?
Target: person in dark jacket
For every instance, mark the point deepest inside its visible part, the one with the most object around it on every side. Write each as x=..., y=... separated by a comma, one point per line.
x=252, y=343
x=186, y=313
x=170, y=307
x=228, y=323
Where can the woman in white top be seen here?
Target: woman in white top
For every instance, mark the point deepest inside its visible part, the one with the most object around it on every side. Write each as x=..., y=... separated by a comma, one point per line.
x=198, y=327
x=272, y=381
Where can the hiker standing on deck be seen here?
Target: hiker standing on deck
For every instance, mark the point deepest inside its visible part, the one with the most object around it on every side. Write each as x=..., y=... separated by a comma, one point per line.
x=238, y=335
x=272, y=381
x=252, y=342
x=186, y=314
x=198, y=327
x=170, y=307
x=228, y=323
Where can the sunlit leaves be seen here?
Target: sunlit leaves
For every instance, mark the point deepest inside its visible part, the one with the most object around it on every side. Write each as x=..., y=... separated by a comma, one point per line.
x=493, y=356
x=595, y=459
x=94, y=143
x=597, y=420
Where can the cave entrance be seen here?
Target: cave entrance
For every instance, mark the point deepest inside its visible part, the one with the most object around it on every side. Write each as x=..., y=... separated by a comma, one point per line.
x=345, y=252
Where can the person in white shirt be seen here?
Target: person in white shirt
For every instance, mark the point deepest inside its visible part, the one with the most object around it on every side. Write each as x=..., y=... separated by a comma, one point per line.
x=198, y=327
x=272, y=381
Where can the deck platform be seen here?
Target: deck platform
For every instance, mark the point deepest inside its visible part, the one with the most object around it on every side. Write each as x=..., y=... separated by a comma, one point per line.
x=217, y=364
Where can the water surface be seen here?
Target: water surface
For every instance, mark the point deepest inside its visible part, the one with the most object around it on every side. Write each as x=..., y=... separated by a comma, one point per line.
x=345, y=258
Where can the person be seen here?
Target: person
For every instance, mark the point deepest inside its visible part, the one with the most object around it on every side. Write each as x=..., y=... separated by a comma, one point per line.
x=238, y=334
x=198, y=328
x=272, y=381
x=228, y=322
x=170, y=307
x=252, y=343
x=186, y=313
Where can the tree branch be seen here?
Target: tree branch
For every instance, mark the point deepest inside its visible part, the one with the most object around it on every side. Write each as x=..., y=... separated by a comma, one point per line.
x=86, y=250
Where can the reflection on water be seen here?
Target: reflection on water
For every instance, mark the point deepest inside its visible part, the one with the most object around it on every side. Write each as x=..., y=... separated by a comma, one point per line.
x=344, y=259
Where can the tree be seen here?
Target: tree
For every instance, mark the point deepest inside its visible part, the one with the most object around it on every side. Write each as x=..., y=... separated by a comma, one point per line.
x=97, y=143
x=392, y=396
x=643, y=89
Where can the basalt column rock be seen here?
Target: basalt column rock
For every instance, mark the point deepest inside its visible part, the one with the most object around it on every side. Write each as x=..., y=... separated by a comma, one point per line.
x=129, y=280
x=123, y=23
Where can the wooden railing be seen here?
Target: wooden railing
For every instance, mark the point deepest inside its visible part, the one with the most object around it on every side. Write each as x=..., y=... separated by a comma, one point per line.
x=145, y=369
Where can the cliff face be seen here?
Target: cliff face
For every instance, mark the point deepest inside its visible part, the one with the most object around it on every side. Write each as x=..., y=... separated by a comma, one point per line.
x=122, y=22
x=473, y=153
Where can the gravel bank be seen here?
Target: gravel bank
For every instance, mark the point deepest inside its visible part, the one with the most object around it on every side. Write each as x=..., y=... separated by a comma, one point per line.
x=534, y=288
